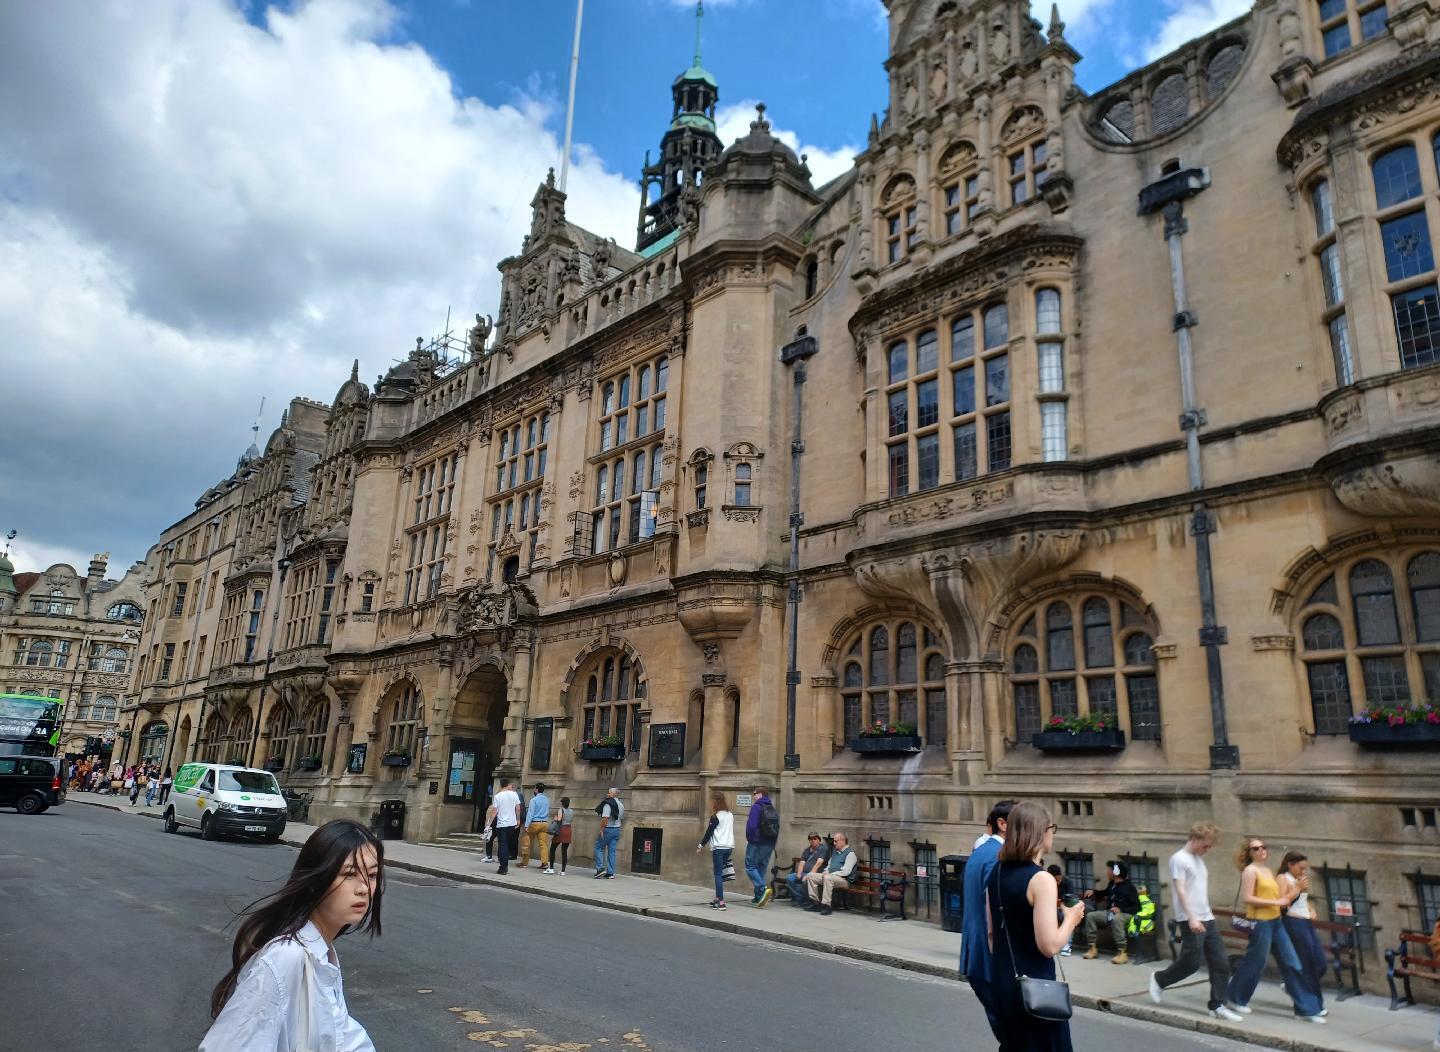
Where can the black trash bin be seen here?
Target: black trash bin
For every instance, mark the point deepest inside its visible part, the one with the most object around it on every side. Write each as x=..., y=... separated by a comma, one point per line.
x=392, y=819
x=952, y=891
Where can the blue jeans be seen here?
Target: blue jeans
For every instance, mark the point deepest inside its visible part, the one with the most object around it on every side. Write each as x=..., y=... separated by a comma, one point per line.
x=797, y=888
x=1269, y=937
x=719, y=857
x=1310, y=951
x=150, y=794
x=605, y=846
x=757, y=861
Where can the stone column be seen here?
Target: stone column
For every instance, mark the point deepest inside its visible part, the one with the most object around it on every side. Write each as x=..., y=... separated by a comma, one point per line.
x=828, y=715
x=716, y=745
x=517, y=707
x=984, y=220
x=923, y=189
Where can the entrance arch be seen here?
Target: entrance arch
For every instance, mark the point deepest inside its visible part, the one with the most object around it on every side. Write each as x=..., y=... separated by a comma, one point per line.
x=475, y=740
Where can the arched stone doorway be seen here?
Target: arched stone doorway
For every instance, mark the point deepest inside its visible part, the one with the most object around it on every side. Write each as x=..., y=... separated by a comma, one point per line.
x=475, y=739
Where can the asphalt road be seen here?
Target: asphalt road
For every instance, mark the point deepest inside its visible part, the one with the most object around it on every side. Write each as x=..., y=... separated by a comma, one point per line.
x=112, y=934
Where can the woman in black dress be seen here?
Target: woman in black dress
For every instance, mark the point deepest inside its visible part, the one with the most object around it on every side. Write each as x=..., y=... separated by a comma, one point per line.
x=1023, y=919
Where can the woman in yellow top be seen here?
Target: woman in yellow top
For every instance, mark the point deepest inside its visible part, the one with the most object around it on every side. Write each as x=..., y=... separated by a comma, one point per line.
x=1264, y=902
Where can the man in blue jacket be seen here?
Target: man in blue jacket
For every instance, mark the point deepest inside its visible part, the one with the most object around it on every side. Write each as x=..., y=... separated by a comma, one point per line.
x=762, y=830
x=975, y=961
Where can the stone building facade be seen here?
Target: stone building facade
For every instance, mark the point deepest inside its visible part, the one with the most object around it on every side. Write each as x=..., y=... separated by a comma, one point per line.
x=1119, y=406
x=73, y=638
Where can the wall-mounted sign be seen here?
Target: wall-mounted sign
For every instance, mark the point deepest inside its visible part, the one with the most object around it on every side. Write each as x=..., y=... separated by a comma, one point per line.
x=743, y=799
x=667, y=745
x=356, y=762
x=542, y=737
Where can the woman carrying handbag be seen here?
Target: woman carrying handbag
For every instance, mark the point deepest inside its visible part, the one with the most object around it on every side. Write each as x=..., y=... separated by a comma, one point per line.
x=1031, y=1007
x=283, y=992
x=1263, y=902
x=720, y=835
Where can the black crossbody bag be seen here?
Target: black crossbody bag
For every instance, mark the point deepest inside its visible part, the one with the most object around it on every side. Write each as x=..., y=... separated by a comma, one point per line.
x=1047, y=999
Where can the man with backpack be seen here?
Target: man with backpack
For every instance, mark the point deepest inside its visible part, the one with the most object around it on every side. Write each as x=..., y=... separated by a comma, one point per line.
x=762, y=830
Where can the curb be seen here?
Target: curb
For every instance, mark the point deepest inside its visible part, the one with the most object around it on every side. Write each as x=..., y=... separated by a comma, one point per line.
x=1140, y=1013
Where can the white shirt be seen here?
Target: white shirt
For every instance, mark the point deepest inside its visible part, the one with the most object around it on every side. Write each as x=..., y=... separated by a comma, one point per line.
x=723, y=838
x=1301, y=906
x=263, y=1014
x=1191, y=869
x=987, y=836
x=506, y=800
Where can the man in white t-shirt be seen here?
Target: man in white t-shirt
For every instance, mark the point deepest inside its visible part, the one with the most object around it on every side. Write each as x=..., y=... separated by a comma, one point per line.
x=507, y=824
x=1190, y=888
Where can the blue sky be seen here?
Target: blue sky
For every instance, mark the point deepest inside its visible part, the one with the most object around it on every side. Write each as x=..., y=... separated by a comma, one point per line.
x=817, y=64
x=207, y=202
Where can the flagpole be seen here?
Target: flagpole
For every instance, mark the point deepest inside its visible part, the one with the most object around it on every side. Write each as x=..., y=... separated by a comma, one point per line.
x=570, y=106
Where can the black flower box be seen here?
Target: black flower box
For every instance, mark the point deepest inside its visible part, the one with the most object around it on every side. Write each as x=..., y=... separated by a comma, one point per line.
x=1382, y=734
x=886, y=744
x=275, y=765
x=395, y=761
x=1112, y=740
x=309, y=764
x=606, y=753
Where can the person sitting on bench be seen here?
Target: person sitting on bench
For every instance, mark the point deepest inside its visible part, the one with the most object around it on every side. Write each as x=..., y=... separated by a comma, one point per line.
x=812, y=860
x=836, y=875
x=1122, y=902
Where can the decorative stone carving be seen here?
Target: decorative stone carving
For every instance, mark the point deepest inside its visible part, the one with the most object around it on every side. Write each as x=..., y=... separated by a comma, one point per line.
x=901, y=188
x=1023, y=123
x=1402, y=486
x=957, y=157
x=697, y=520
x=1344, y=413
x=741, y=514
x=1274, y=642
x=480, y=336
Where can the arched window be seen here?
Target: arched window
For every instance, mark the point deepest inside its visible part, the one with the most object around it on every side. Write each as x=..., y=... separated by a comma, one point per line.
x=1169, y=104
x=217, y=730
x=317, y=727
x=125, y=611
x=1047, y=680
x=812, y=277
x=1375, y=623
x=403, y=727
x=107, y=708
x=895, y=673
x=242, y=728
x=152, y=742
x=40, y=653
x=1222, y=67
x=614, y=695
x=277, y=732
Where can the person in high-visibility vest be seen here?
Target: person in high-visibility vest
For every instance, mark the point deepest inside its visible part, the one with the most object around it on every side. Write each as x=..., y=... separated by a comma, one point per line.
x=1143, y=922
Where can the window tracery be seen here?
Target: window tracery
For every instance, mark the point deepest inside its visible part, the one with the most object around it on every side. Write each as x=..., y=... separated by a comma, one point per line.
x=894, y=672
x=1051, y=676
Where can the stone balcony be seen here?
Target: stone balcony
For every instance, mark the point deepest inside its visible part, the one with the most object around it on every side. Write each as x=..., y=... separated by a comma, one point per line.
x=1381, y=439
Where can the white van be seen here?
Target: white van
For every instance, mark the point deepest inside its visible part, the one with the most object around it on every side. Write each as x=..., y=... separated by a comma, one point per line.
x=220, y=798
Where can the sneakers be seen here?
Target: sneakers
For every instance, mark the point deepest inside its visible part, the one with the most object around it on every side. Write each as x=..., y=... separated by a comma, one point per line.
x=487, y=858
x=548, y=872
x=764, y=898
x=1317, y=1019
x=1155, y=990
x=717, y=904
x=1064, y=951
x=1120, y=958
x=1241, y=1009
x=1224, y=1013
x=1092, y=953
x=825, y=911
x=599, y=873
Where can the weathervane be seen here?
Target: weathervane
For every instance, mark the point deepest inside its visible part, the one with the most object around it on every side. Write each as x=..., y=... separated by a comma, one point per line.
x=8, y=538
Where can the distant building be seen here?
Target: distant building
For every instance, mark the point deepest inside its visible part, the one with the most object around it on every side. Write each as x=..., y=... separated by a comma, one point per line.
x=1118, y=409
x=73, y=638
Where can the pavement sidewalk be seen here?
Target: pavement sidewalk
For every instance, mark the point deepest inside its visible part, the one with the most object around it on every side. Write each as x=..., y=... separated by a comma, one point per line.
x=1359, y=1024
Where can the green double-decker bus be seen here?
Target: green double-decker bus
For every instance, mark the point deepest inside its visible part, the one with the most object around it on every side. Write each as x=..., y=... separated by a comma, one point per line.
x=29, y=726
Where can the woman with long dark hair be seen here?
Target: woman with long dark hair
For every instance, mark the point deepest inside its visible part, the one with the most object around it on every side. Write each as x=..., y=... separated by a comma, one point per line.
x=1299, y=922
x=283, y=992
x=1026, y=929
x=720, y=835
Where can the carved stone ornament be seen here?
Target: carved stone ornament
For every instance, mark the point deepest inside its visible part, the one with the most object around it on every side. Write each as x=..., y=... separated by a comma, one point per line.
x=698, y=520
x=1399, y=486
x=1275, y=642
x=957, y=157
x=901, y=188
x=1023, y=123
x=736, y=513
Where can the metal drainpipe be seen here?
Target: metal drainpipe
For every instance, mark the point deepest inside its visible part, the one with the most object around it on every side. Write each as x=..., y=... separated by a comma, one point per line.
x=795, y=353
x=1168, y=196
x=284, y=566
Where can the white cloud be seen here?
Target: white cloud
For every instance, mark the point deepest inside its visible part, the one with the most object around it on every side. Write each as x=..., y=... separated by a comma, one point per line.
x=733, y=122
x=1188, y=19
x=38, y=558
x=196, y=211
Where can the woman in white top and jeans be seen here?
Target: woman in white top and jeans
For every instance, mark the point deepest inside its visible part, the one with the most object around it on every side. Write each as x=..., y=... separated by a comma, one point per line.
x=1298, y=921
x=720, y=835
x=283, y=992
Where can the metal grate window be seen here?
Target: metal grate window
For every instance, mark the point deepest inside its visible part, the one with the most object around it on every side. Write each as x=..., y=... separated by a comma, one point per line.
x=1079, y=870
x=1347, y=898
x=1427, y=897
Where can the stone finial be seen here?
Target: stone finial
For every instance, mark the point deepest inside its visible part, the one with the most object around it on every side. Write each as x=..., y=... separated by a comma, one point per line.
x=550, y=179
x=1057, y=27
x=760, y=123
x=355, y=371
x=874, y=135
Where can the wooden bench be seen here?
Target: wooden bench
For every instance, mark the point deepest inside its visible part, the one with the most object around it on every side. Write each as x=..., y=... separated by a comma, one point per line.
x=884, y=886
x=1412, y=959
